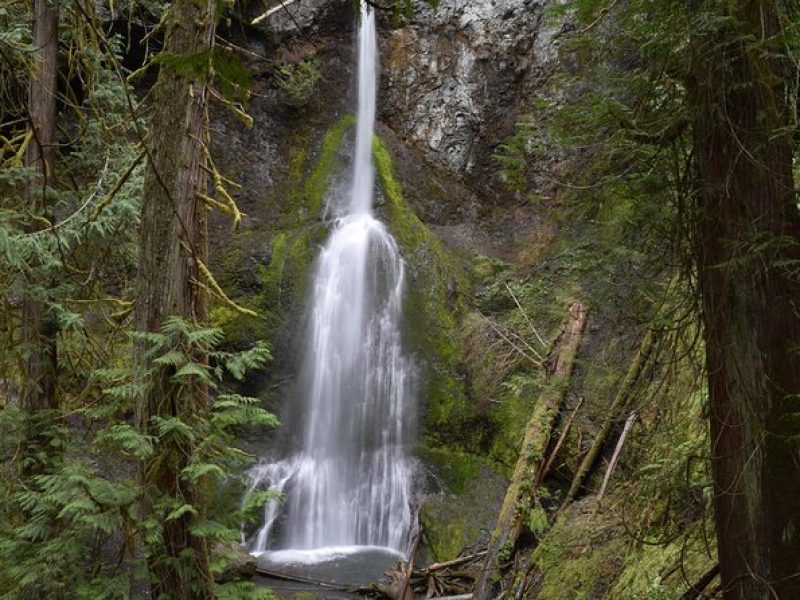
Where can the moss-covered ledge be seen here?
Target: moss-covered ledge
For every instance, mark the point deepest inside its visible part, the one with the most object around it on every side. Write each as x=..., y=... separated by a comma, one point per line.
x=434, y=309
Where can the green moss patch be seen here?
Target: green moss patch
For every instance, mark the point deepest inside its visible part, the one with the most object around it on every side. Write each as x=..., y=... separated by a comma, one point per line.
x=433, y=310
x=460, y=515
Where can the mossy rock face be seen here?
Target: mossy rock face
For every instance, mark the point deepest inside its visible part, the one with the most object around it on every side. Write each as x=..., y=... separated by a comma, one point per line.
x=459, y=512
x=581, y=556
x=589, y=555
x=437, y=284
x=267, y=268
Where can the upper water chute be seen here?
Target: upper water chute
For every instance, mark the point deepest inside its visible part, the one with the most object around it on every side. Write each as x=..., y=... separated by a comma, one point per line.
x=347, y=481
x=363, y=170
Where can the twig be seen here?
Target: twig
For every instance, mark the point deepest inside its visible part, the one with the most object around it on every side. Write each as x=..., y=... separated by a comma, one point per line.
x=525, y=315
x=536, y=362
x=80, y=210
x=561, y=439
x=453, y=563
x=617, y=451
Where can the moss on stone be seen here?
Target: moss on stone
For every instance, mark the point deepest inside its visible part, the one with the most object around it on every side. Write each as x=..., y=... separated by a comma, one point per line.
x=316, y=185
x=580, y=557
x=292, y=239
x=457, y=471
x=460, y=515
x=433, y=309
x=649, y=572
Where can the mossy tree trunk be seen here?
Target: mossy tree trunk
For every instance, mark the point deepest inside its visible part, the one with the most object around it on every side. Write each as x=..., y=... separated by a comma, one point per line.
x=748, y=232
x=173, y=244
x=521, y=494
x=38, y=328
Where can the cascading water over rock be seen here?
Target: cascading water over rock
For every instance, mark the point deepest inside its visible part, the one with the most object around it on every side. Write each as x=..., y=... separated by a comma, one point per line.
x=347, y=480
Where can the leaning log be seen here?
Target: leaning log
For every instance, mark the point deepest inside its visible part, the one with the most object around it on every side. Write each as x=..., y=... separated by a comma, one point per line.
x=521, y=494
x=640, y=365
x=615, y=457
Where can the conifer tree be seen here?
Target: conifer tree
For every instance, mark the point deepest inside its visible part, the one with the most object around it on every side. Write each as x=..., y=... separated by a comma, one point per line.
x=172, y=257
x=38, y=328
x=748, y=246
x=699, y=95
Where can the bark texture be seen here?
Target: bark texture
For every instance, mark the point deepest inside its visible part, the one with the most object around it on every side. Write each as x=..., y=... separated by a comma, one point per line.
x=40, y=365
x=173, y=243
x=521, y=495
x=748, y=233
x=38, y=328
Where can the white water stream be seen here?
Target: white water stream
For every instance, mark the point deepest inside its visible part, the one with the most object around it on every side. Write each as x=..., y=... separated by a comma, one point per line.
x=347, y=480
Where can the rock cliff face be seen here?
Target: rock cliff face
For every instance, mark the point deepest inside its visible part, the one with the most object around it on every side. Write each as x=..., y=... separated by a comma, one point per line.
x=453, y=76
x=452, y=83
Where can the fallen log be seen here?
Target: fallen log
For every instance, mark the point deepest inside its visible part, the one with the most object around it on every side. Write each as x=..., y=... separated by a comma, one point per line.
x=307, y=580
x=697, y=590
x=521, y=494
x=405, y=592
x=638, y=367
x=453, y=563
x=561, y=439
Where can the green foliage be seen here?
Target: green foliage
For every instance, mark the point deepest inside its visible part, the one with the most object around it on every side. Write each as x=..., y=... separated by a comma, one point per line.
x=91, y=496
x=202, y=441
x=235, y=590
x=71, y=499
x=505, y=553
x=538, y=521
x=514, y=156
x=299, y=81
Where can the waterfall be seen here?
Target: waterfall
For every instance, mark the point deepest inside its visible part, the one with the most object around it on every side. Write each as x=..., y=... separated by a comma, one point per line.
x=347, y=482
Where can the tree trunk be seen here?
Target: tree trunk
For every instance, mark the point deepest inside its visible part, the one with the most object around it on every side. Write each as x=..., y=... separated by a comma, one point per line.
x=38, y=329
x=747, y=232
x=173, y=243
x=521, y=494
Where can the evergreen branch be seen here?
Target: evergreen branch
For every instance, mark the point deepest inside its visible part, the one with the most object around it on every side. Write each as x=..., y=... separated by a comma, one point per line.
x=80, y=210
x=117, y=186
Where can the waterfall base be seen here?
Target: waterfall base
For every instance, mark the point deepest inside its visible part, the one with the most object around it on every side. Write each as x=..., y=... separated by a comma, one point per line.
x=349, y=566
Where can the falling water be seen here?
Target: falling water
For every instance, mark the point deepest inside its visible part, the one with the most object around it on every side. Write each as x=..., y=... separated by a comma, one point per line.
x=347, y=484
